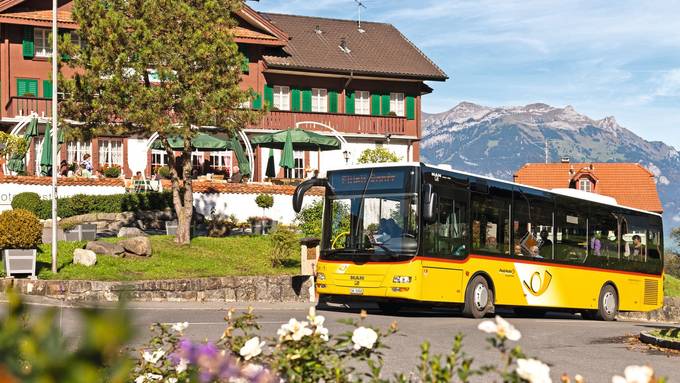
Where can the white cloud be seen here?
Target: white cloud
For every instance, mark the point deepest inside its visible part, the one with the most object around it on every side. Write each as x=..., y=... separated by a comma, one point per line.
x=669, y=84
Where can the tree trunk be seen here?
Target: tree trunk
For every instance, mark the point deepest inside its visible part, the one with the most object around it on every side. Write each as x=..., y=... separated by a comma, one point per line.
x=182, y=194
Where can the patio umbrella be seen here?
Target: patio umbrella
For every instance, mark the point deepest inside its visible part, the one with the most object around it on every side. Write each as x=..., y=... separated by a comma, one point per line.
x=46, y=157
x=200, y=142
x=287, y=157
x=16, y=163
x=301, y=139
x=271, y=167
x=241, y=158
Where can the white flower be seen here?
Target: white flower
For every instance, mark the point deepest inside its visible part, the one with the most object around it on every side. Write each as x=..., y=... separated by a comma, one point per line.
x=151, y=376
x=533, y=370
x=140, y=379
x=364, y=337
x=293, y=330
x=500, y=327
x=181, y=366
x=180, y=326
x=316, y=322
x=153, y=357
x=635, y=374
x=252, y=348
x=171, y=380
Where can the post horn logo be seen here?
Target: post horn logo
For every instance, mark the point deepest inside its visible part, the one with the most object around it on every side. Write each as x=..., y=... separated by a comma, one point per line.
x=538, y=285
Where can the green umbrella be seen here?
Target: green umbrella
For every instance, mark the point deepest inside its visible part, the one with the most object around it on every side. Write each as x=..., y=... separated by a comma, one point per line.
x=301, y=140
x=287, y=157
x=16, y=163
x=200, y=142
x=271, y=170
x=46, y=157
x=241, y=158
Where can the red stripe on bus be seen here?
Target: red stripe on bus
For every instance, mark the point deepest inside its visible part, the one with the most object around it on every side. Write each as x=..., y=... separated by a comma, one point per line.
x=502, y=259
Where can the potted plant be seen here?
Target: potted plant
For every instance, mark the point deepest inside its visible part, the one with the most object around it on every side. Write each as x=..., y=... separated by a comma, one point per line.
x=112, y=171
x=171, y=227
x=79, y=232
x=265, y=201
x=20, y=234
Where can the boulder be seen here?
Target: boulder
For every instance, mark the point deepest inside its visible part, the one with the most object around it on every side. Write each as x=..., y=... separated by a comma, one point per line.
x=84, y=257
x=105, y=248
x=129, y=232
x=137, y=245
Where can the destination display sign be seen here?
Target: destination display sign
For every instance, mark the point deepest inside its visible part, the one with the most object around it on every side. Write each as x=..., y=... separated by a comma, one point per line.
x=377, y=179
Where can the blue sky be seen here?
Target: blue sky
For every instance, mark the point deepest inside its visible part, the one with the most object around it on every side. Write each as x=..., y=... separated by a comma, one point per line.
x=619, y=58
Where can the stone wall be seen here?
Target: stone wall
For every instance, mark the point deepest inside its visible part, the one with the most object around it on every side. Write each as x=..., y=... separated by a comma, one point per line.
x=670, y=312
x=218, y=289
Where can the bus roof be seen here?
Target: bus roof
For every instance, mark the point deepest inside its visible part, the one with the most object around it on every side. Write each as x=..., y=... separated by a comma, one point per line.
x=573, y=193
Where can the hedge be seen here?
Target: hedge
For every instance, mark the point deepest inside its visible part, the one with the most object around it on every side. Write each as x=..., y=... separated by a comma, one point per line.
x=83, y=204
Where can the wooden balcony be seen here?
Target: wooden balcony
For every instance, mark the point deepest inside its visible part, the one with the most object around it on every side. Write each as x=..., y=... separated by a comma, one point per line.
x=19, y=106
x=343, y=123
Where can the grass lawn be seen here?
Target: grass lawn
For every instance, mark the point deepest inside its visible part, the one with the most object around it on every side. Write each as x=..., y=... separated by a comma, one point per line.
x=671, y=333
x=206, y=257
x=671, y=287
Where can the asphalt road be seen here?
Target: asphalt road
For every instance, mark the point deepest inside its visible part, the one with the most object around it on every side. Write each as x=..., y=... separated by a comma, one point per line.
x=596, y=350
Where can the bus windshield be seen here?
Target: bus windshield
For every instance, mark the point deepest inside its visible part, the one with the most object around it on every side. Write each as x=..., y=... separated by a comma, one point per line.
x=372, y=214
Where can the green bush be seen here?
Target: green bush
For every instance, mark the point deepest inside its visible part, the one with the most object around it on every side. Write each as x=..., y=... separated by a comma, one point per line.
x=19, y=229
x=378, y=155
x=285, y=244
x=111, y=171
x=672, y=264
x=31, y=201
x=114, y=203
x=164, y=172
x=265, y=201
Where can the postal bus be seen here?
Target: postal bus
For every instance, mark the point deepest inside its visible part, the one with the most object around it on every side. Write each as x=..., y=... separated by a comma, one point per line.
x=407, y=233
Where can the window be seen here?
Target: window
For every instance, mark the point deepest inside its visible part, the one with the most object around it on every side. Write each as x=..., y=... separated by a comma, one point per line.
x=319, y=100
x=281, y=97
x=76, y=150
x=110, y=152
x=27, y=87
x=585, y=184
x=571, y=242
x=397, y=104
x=362, y=102
x=159, y=158
x=633, y=238
x=532, y=224
x=197, y=160
x=448, y=236
x=491, y=219
x=603, y=232
x=220, y=162
x=299, y=170
x=41, y=38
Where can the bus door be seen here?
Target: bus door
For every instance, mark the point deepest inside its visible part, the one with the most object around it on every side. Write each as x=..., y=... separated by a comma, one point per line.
x=445, y=246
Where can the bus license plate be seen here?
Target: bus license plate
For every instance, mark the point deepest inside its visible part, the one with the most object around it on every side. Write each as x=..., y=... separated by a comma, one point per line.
x=356, y=291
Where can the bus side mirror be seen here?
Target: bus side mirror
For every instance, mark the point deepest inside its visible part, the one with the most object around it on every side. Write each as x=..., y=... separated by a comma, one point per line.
x=302, y=188
x=429, y=204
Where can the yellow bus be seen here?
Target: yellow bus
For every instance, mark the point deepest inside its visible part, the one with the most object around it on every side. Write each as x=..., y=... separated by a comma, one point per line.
x=409, y=233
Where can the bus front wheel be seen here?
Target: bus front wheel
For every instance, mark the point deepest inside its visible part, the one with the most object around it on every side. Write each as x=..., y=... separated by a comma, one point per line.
x=478, y=298
x=608, y=304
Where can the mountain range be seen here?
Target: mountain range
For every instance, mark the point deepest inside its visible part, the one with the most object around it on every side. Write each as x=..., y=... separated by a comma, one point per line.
x=497, y=141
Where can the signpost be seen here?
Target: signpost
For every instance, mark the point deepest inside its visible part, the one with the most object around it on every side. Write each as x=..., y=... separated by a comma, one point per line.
x=55, y=160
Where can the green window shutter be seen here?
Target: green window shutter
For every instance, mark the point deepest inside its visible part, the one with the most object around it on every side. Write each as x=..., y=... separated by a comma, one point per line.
x=295, y=100
x=410, y=107
x=21, y=87
x=307, y=100
x=257, y=101
x=244, y=65
x=27, y=86
x=385, y=104
x=268, y=95
x=332, y=101
x=47, y=89
x=28, y=47
x=375, y=105
x=349, y=103
x=32, y=87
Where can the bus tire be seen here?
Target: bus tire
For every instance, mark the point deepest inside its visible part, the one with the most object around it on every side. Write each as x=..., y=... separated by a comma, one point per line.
x=478, y=298
x=608, y=304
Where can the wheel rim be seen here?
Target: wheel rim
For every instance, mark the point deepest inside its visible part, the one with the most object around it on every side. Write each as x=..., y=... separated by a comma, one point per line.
x=609, y=302
x=481, y=297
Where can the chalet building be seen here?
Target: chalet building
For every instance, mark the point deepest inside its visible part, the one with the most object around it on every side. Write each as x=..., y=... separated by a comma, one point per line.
x=629, y=183
x=326, y=75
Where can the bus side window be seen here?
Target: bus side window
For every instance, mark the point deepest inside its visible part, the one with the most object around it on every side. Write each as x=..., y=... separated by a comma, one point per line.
x=655, y=247
x=633, y=239
x=447, y=237
x=572, y=239
x=490, y=224
x=532, y=225
x=603, y=236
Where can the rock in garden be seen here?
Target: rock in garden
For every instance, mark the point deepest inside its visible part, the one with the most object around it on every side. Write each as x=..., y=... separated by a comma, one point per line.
x=84, y=257
x=130, y=232
x=105, y=248
x=137, y=245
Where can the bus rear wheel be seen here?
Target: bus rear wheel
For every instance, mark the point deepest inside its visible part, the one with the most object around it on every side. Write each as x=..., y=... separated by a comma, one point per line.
x=478, y=298
x=608, y=304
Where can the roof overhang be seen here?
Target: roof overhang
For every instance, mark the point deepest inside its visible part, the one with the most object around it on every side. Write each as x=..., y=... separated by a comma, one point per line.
x=354, y=73
x=255, y=19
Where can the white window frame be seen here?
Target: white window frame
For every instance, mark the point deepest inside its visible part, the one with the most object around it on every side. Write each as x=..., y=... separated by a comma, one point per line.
x=220, y=160
x=76, y=150
x=159, y=158
x=281, y=97
x=197, y=159
x=111, y=152
x=41, y=42
x=298, y=170
x=362, y=102
x=585, y=184
x=397, y=104
x=319, y=100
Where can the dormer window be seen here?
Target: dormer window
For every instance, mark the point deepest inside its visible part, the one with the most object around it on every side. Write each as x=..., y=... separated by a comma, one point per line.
x=585, y=184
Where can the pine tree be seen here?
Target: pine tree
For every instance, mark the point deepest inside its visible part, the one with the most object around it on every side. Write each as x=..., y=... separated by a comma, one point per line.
x=166, y=66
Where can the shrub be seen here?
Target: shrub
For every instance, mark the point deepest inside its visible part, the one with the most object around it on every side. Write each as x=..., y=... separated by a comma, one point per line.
x=284, y=243
x=265, y=201
x=111, y=171
x=164, y=172
x=377, y=155
x=31, y=201
x=672, y=264
x=219, y=225
x=19, y=229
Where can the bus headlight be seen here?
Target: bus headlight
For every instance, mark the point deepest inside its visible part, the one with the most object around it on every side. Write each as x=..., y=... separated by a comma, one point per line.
x=321, y=277
x=401, y=279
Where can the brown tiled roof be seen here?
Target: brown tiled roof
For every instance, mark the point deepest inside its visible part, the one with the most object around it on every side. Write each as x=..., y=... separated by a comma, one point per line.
x=40, y=16
x=62, y=181
x=252, y=34
x=629, y=183
x=381, y=50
